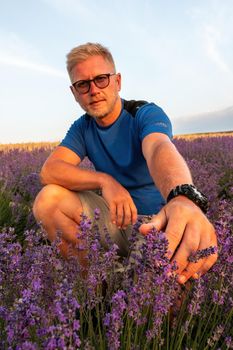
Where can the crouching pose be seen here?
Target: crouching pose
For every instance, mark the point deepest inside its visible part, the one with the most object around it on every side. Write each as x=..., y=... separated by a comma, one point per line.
x=138, y=169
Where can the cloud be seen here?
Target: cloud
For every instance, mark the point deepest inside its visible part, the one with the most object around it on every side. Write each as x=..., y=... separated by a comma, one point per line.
x=213, y=20
x=213, y=37
x=19, y=62
x=14, y=51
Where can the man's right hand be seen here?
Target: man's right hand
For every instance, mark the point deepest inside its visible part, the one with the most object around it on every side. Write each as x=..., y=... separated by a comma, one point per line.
x=123, y=211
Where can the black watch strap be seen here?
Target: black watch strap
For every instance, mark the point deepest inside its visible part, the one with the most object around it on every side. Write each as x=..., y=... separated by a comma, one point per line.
x=192, y=193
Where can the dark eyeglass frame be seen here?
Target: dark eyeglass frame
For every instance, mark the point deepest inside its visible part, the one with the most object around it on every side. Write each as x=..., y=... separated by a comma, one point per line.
x=88, y=82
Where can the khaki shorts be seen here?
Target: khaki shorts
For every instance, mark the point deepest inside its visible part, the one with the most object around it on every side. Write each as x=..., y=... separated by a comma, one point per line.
x=90, y=201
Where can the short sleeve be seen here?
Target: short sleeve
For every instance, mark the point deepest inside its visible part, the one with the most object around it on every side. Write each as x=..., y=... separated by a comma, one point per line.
x=75, y=138
x=151, y=118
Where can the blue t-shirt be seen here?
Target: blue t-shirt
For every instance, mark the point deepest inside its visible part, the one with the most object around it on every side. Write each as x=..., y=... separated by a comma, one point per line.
x=117, y=150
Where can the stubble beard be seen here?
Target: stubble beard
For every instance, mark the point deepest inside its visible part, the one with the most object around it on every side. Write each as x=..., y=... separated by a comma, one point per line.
x=107, y=111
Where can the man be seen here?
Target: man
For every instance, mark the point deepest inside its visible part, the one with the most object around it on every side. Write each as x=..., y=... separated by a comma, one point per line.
x=137, y=169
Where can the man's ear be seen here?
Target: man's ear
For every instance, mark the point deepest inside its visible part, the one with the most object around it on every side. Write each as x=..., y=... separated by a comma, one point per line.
x=119, y=81
x=72, y=90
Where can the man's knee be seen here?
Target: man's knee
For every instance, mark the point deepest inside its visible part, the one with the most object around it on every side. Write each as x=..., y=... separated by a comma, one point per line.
x=47, y=200
x=54, y=199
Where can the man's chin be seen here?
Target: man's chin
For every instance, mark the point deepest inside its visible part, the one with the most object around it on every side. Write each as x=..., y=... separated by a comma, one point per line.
x=102, y=116
x=97, y=115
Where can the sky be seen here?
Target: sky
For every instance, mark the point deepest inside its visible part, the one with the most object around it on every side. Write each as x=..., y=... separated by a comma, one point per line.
x=175, y=53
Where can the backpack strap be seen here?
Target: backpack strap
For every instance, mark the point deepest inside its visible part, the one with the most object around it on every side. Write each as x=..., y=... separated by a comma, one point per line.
x=133, y=106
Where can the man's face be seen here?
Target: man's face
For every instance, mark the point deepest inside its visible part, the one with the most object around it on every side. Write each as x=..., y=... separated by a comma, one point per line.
x=97, y=102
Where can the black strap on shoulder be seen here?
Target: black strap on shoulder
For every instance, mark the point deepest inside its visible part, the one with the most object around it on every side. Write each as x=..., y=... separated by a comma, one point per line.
x=133, y=106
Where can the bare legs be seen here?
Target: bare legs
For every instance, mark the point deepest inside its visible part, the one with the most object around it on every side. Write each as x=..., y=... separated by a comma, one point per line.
x=59, y=210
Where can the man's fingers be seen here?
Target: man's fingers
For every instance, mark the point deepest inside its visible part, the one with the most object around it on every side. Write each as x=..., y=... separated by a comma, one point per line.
x=184, y=269
x=196, y=268
x=134, y=213
x=119, y=215
x=158, y=221
x=127, y=218
x=191, y=270
x=174, y=232
x=113, y=217
x=207, y=264
x=182, y=245
x=123, y=214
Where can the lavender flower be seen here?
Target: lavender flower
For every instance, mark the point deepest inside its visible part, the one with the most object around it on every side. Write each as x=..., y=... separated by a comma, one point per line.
x=229, y=342
x=203, y=253
x=113, y=320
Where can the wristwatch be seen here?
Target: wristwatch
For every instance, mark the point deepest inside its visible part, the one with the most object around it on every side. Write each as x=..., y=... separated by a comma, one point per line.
x=192, y=193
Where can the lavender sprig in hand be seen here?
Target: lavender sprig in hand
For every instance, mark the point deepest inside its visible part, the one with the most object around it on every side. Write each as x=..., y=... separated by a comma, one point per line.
x=202, y=253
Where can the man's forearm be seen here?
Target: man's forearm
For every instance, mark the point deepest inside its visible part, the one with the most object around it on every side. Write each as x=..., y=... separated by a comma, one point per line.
x=168, y=168
x=70, y=176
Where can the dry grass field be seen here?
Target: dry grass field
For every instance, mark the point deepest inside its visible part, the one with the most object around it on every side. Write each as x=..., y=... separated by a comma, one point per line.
x=28, y=146
x=32, y=145
x=204, y=134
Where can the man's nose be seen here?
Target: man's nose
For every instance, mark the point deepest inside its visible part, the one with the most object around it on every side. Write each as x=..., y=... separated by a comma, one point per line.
x=93, y=88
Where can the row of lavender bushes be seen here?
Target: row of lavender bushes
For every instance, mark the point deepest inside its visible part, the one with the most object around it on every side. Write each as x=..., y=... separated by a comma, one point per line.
x=47, y=302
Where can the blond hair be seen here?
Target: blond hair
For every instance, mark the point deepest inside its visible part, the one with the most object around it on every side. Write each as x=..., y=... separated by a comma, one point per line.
x=82, y=52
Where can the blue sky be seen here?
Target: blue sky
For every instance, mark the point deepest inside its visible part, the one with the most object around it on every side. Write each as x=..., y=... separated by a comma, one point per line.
x=176, y=53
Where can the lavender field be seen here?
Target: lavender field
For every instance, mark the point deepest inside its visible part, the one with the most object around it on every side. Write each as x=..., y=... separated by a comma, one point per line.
x=47, y=302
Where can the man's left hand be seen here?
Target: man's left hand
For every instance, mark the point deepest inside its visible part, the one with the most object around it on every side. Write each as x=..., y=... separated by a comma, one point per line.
x=188, y=230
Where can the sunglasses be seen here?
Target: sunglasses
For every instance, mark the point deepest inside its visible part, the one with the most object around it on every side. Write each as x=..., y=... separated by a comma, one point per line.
x=101, y=81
